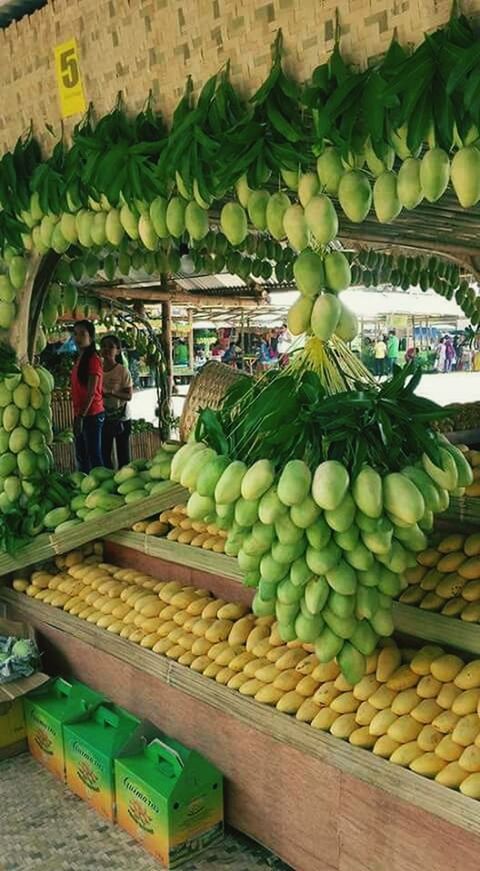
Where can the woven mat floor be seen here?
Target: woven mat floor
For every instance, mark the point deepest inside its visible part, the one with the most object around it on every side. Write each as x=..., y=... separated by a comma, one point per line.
x=44, y=827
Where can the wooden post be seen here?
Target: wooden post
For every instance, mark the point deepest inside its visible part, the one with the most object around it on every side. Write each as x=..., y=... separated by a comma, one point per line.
x=167, y=343
x=191, y=349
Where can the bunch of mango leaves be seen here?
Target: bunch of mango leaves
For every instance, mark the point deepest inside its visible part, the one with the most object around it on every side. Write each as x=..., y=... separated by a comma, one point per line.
x=283, y=416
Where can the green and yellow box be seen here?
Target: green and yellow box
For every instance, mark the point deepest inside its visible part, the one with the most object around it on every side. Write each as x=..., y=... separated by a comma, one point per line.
x=91, y=745
x=170, y=799
x=47, y=710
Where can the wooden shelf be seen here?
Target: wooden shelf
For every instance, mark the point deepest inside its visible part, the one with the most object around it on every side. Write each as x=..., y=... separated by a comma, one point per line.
x=449, y=631
x=314, y=799
x=182, y=554
x=46, y=546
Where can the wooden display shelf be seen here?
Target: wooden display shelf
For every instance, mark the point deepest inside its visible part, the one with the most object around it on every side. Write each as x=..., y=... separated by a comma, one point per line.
x=315, y=800
x=448, y=631
x=182, y=554
x=46, y=546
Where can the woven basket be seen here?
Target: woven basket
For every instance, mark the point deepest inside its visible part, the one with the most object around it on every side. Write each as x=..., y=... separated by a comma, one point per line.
x=207, y=390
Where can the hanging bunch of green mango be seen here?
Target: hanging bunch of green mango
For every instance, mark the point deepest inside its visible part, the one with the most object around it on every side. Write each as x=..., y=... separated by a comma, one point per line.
x=326, y=500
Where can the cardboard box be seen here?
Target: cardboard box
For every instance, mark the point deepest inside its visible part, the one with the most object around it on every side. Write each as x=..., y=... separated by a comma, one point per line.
x=91, y=745
x=47, y=710
x=13, y=736
x=170, y=799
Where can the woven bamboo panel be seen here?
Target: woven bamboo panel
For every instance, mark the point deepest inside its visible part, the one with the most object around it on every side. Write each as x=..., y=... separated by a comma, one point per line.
x=207, y=389
x=62, y=414
x=136, y=45
x=143, y=446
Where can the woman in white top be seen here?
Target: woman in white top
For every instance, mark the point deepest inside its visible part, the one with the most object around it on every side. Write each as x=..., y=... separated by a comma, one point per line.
x=117, y=393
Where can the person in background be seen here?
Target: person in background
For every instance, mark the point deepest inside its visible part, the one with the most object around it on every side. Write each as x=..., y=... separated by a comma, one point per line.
x=284, y=340
x=117, y=393
x=440, y=350
x=450, y=356
x=380, y=352
x=392, y=350
x=216, y=351
x=200, y=358
x=181, y=353
x=230, y=355
x=87, y=398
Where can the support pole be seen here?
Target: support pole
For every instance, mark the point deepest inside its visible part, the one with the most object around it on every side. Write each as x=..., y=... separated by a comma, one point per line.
x=191, y=349
x=167, y=344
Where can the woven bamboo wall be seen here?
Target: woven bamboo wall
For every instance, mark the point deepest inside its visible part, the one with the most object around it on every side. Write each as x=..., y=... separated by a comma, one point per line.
x=135, y=45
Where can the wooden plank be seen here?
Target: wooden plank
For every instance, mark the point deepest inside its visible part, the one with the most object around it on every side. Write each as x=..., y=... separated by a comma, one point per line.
x=360, y=764
x=183, y=554
x=45, y=546
x=448, y=631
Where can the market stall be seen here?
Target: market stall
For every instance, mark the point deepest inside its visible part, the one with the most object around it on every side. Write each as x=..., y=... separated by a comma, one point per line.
x=266, y=586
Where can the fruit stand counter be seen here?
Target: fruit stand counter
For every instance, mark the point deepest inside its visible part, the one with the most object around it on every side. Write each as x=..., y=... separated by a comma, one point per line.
x=317, y=801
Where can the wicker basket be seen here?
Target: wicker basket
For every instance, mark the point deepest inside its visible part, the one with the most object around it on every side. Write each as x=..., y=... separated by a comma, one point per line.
x=207, y=390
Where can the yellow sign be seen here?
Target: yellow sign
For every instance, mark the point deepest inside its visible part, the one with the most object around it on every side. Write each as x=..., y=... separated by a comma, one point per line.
x=70, y=88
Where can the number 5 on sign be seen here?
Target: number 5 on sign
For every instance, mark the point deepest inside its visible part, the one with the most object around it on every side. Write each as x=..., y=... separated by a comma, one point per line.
x=70, y=88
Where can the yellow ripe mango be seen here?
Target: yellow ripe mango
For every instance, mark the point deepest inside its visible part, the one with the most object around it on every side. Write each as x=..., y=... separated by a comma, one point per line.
x=470, y=759
x=307, y=687
x=450, y=586
x=290, y=659
x=466, y=730
x=414, y=575
x=325, y=719
x=238, y=679
x=446, y=722
x=406, y=753
x=389, y=659
x=446, y=667
x=471, y=786
x=431, y=580
x=307, y=711
x=366, y=687
x=471, y=613
x=385, y=746
x=224, y=675
x=382, y=698
x=428, y=764
x=447, y=695
x=429, y=738
x=470, y=591
x=287, y=680
x=452, y=775
x=466, y=702
x=290, y=702
x=342, y=684
x=361, y=737
x=345, y=703
x=326, y=693
x=365, y=714
x=412, y=595
x=405, y=729
x=453, y=607
x=449, y=750
x=268, y=695
x=343, y=726
x=326, y=671
x=451, y=543
x=404, y=702
x=255, y=665
x=422, y=662
x=251, y=687
x=470, y=569
x=429, y=557
x=381, y=722
x=404, y=678
x=451, y=562
x=426, y=711
x=428, y=687
x=472, y=544
x=431, y=602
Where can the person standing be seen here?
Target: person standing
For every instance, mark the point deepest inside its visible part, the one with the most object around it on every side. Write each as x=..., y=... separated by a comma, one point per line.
x=87, y=398
x=392, y=350
x=441, y=355
x=380, y=355
x=117, y=393
x=450, y=356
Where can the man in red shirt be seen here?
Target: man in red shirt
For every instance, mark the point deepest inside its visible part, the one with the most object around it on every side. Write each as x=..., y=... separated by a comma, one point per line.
x=87, y=398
